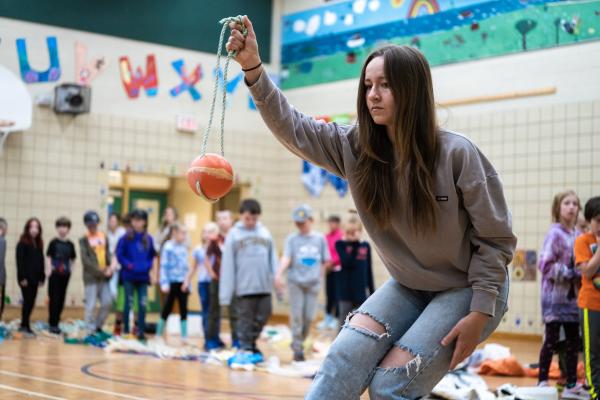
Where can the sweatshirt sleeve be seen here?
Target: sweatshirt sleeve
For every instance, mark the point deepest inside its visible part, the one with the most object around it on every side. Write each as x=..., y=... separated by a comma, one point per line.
x=490, y=231
x=2, y=260
x=342, y=255
x=165, y=259
x=20, y=254
x=122, y=254
x=325, y=256
x=227, y=278
x=312, y=140
x=274, y=258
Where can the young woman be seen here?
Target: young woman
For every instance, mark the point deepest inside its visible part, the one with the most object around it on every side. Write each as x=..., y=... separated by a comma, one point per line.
x=434, y=208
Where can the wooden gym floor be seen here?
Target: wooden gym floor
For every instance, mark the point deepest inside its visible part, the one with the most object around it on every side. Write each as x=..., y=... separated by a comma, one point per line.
x=45, y=368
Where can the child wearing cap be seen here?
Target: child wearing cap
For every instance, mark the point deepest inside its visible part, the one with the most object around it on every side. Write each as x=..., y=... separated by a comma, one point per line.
x=305, y=255
x=97, y=270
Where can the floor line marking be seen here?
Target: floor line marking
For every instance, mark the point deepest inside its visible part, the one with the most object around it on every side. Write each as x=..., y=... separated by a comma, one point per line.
x=30, y=393
x=71, y=385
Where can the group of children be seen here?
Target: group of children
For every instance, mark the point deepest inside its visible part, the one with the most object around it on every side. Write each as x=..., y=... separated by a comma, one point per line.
x=237, y=267
x=569, y=263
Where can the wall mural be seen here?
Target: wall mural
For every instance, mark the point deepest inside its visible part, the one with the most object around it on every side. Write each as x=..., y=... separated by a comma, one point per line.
x=29, y=75
x=86, y=72
x=329, y=43
x=187, y=81
x=134, y=81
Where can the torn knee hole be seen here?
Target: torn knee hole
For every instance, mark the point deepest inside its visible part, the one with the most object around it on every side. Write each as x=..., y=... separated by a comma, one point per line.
x=368, y=323
x=397, y=358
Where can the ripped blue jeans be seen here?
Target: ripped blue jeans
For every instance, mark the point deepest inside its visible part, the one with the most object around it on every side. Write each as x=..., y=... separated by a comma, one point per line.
x=415, y=321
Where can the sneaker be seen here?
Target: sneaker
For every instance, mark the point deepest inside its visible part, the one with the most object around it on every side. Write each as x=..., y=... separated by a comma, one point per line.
x=543, y=384
x=257, y=356
x=27, y=332
x=323, y=324
x=55, y=330
x=333, y=324
x=577, y=392
x=102, y=336
x=299, y=356
x=213, y=344
x=241, y=359
x=141, y=337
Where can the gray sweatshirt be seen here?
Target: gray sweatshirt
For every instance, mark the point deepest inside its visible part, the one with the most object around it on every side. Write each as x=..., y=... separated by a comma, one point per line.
x=248, y=263
x=474, y=241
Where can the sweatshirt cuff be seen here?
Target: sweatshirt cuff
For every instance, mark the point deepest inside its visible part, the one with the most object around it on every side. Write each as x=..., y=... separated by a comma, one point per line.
x=484, y=302
x=225, y=303
x=262, y=88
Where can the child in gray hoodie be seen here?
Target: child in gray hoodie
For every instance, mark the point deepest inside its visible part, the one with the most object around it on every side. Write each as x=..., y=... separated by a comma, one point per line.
x=247, y=269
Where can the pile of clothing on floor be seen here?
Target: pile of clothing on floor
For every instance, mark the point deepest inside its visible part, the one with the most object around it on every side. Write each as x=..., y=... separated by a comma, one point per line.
x=72, y=332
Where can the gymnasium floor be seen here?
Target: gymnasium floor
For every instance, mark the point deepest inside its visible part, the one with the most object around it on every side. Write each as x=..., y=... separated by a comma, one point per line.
x=45, y=368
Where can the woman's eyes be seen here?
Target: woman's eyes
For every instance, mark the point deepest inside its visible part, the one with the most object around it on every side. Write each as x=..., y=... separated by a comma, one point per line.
x=369, y=86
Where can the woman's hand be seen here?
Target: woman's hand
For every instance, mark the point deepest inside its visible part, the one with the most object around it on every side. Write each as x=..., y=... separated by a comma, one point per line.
x=185, y=286
x=23, y=283
x=246, y=47
x=165, y=289
x=467, y=333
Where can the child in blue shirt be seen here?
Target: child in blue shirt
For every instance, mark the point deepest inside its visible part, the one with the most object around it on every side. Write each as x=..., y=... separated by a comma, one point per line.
x=174, y=269
x=136, y=255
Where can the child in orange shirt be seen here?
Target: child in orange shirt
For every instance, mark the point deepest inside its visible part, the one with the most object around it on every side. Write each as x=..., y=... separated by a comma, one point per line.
x=587, y=259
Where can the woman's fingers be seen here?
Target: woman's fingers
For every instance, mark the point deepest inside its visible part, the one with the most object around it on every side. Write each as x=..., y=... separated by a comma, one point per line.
x=249, y=26
x=238, y=35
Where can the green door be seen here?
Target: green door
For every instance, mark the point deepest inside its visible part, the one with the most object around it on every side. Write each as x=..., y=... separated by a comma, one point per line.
x=154, y=203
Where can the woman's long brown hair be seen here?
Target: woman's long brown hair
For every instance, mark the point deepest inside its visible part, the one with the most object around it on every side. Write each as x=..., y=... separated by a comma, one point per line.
x=408, y=164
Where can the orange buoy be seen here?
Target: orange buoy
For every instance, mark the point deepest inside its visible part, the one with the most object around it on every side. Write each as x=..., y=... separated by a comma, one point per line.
x=210, y=176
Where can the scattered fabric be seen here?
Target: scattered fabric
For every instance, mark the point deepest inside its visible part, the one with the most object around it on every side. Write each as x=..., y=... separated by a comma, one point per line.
x=505, y=367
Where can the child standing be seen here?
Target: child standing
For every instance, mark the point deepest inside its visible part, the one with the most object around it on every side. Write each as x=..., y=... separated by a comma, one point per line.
x=214, y=255
x=114, y=233
x=173, y=281
x=587, y=260
x=560, y=281
x=136, y=255
x=332, y=277
x=304, y=257
x=30, y=269
x=60, y=257
x=249, y=263
x=3, y=229
x=209, y=231
x=356, y=276
x=97, y=270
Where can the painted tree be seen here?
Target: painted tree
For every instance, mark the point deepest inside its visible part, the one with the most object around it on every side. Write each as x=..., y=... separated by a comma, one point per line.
x=525, y=26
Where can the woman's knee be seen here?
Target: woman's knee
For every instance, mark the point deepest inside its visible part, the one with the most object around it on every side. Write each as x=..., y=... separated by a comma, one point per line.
x=367, y=324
